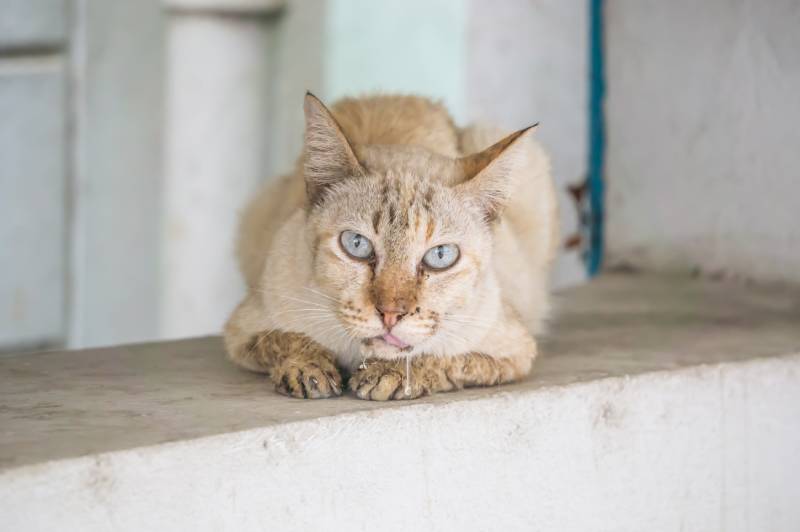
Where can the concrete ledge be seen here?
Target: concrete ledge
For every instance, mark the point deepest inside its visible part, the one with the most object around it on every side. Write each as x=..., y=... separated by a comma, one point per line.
x=659, y=404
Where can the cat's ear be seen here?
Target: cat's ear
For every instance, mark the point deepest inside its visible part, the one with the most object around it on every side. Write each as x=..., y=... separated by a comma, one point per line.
x=328, y=156
x=489, y=175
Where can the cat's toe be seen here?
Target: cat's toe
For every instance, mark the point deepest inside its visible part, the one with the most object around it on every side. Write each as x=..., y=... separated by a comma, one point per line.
x=381, y=382
x=310, y=381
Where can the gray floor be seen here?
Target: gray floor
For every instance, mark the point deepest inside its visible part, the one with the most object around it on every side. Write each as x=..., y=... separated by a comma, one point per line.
x=68, y=404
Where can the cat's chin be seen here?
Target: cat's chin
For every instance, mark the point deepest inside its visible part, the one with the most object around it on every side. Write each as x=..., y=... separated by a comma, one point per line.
x=377, y=347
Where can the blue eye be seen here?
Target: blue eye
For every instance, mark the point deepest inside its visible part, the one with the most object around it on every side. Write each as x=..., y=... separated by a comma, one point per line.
x=356, y=245
x=441, y=257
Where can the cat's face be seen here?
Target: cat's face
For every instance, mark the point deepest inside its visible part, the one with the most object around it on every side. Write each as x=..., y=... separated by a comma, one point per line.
x=401, y=245
x=401, y=256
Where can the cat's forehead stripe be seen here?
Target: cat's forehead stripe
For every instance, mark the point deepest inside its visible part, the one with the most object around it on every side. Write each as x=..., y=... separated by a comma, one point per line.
x=376, y=221
x=429, y=229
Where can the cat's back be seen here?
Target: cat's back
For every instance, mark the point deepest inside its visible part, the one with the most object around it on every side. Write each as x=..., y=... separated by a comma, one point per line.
x=398, y=120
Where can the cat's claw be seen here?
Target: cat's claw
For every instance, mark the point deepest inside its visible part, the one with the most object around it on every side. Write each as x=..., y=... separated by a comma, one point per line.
x=309, y=381
x=384, y=380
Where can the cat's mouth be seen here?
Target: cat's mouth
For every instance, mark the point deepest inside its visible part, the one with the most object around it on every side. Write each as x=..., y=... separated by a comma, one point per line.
x=390, y=339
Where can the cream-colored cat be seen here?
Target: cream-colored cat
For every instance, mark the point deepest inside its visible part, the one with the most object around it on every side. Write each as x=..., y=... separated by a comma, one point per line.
x=396, y=237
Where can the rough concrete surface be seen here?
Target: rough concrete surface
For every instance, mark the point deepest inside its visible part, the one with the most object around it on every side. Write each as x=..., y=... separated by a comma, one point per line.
x=658, y=403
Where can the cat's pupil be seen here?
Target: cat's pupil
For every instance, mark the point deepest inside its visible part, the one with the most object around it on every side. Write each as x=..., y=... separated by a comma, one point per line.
x=440, y=251
x=357, y=241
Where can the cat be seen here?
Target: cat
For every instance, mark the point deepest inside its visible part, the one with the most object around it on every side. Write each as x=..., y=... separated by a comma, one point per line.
x=398, y=238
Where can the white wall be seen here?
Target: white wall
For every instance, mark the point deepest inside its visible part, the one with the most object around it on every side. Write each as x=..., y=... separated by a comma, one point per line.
x=527, y=63
x=216, y=139
x=703, y=165
x=118, y=109
x=34, y=173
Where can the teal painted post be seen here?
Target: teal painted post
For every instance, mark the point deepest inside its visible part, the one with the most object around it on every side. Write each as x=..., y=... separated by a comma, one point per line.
x=597, y=88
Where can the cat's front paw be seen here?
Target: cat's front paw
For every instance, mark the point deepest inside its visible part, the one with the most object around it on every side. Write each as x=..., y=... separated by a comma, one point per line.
x=383, y=380
x=308, y=379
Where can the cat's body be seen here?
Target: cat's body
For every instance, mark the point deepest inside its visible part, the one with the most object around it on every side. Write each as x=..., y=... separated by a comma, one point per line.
x=394, y=169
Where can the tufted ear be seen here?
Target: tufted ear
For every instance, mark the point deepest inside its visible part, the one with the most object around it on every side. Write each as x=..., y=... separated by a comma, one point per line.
x=328, y=156
x=489, y=174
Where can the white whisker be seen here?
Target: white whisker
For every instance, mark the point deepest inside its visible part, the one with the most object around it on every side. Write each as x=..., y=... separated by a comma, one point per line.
x=326, y=296
x=306, y=301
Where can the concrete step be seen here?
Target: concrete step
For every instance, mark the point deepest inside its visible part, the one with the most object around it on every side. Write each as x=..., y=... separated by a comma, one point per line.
x=659, y=403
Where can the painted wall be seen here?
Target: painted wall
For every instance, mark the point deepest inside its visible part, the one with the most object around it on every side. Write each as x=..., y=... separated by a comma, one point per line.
x=703, y=114
x=33, y=173
x=527, y=63
x=118, y=109
x=80, y=171
x=216, y=142
x=414, y=46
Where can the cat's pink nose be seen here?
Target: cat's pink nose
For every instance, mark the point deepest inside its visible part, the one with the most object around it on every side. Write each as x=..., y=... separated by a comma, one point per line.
x=391, y=315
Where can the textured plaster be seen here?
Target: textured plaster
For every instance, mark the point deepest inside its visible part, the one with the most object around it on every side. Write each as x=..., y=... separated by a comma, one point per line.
x=31, y=24
x=702, y=113
x=32, y=212
x=217, y=122
x=117, y=181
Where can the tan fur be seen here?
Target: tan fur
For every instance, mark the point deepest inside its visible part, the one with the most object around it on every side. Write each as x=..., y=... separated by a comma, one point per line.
x=391, y=168
x=381, y=380
x=297, y=365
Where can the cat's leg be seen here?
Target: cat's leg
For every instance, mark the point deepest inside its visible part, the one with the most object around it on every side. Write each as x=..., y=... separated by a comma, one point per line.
x=297, y=365
x=501, y=358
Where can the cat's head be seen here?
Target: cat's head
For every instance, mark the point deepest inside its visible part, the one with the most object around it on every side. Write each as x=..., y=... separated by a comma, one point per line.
x=401, y=237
